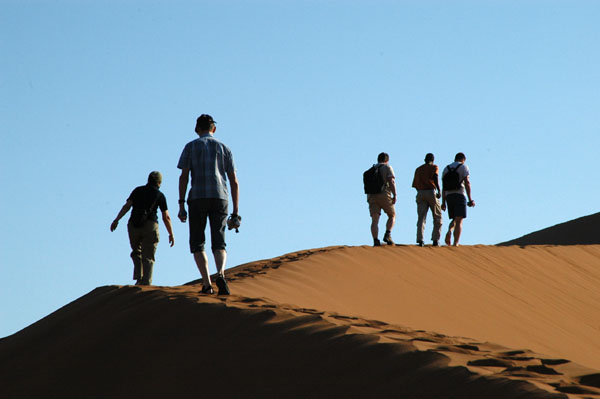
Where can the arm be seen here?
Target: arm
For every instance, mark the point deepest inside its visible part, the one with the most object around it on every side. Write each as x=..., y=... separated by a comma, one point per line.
x=167, y=220
x=235, y=191
x=437, y=185
x=443, y=193
x=468, y=190
x=443, y=199
x=183, y=182
x=392, y=185
x=122, y=213
x=414, y=183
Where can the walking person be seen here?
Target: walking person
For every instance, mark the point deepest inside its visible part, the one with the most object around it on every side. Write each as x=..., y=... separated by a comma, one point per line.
x=143, y=226
x=456, y=193
x=426, y=183
x=383, y=199
x=210, y=163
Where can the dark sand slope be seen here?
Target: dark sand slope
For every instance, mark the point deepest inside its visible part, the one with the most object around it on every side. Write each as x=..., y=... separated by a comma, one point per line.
x=123, y=342
x=584, y=230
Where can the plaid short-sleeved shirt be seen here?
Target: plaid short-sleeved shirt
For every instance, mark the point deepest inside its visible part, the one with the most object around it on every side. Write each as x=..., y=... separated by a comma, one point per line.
x=209, y=161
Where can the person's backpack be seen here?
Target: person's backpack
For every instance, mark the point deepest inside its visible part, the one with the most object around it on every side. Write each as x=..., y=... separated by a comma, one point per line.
x=373, y=180
x=451, y=180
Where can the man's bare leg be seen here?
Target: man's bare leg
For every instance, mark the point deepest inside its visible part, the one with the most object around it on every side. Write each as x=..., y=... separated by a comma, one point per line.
x=390, y=222
x=202, y=264
x=448, y=238
x=387, y=237
x=457, y=230
x=374, y=226
x=220, y=260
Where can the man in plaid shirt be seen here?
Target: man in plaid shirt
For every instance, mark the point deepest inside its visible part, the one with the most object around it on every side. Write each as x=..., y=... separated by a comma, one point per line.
x=210, y=163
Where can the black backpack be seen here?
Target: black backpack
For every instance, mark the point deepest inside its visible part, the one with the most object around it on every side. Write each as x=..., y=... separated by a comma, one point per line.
x=451, y=180
x=373, y=180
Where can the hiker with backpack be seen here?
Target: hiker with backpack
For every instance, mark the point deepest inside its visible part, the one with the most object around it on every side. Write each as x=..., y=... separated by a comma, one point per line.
x=427, y=185
x=143, y=226
x=380, y=187
x=455, y=184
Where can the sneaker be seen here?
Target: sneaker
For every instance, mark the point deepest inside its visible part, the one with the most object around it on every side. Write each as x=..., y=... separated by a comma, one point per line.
x=222, y=284
x=207, y=290
x=420, y=243
x=376, y=242
x=436, y=243
x=387, y=238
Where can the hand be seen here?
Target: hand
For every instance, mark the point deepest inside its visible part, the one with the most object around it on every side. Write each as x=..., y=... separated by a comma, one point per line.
x=443, y=207
x=182, y=215
x=438, y=195
x=171, y=239
x=113, y=225
x=471, y=203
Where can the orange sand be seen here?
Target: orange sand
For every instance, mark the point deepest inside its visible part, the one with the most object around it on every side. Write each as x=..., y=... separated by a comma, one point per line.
x=407, y=322
x=542, y=298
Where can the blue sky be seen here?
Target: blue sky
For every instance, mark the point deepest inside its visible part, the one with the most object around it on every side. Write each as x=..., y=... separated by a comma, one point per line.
x=96, y=94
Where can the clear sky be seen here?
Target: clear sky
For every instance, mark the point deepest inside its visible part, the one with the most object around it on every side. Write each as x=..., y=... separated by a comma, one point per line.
x=96, y=94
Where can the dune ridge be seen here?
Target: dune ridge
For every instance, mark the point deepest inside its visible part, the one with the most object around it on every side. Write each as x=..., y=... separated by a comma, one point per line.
x=580, y=231
x=467, y=322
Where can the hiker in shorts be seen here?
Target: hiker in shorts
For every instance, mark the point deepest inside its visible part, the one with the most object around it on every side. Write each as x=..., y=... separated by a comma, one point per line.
x=455, y=184
x=143, y=226
x=210, y=163
x=384, y=200
x=426, y=183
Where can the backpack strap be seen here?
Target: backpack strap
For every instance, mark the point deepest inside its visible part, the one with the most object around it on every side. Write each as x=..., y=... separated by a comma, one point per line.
x=148, y=210
x=155, y=200
x=454, y=169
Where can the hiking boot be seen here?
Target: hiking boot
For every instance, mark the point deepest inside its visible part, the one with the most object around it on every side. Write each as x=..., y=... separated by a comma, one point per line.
x=207, y=290
x=436, y=243
x=387, y=238
x=420, y=243
x=376, y=242
x=222, y=284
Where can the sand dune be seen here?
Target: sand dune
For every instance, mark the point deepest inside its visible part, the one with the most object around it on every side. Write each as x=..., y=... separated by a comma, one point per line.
x=581, y=231
x=541, y=298
x=468, y=322
x=128, y=342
